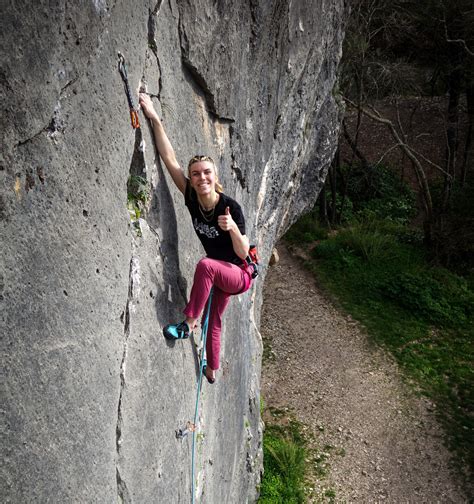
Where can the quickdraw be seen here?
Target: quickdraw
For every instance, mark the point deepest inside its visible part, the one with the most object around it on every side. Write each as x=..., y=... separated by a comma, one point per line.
x=123, y=73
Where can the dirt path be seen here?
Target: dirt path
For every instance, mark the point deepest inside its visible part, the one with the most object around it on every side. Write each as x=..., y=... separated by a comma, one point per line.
x=380, y=442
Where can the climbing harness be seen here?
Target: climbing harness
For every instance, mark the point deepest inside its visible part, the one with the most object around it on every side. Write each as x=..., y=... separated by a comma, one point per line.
x=123, y=73
x=192, y=426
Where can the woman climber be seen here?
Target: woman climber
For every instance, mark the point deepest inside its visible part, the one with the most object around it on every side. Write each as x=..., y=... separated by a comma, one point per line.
x=220, y=225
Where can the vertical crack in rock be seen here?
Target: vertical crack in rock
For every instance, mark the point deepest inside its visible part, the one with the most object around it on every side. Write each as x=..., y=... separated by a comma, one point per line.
x=255, y=24
x=193, y=70
x=138, y=164
x=152, y=42
x=122, y=490
x=234, y=165
x=152, y=27
x=138, y=185
x=133, y=286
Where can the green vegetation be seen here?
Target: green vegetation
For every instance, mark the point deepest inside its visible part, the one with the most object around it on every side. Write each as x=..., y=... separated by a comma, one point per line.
x=293, y=462
x=284, y=455
x=138, y=195
x=400, y=53
x=375, y=192
x=377, y=268
x=268, y=354
x=138, y=192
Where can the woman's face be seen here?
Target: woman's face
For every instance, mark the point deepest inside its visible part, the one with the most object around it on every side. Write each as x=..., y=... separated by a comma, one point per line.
x=203, y=177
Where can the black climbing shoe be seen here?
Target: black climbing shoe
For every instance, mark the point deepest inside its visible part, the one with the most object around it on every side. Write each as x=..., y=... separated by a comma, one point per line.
x=204, y=367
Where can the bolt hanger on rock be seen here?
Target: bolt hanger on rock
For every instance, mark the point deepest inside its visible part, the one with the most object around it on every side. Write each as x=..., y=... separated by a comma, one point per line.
x=123, y=73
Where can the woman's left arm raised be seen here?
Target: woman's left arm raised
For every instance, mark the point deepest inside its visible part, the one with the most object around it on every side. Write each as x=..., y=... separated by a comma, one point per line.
x=240, y=242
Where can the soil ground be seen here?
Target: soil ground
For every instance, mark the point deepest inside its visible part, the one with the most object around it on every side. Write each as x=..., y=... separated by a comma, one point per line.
x=377, y=440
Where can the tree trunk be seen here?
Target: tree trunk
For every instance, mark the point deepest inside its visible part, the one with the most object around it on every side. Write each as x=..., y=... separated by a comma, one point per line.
x=343, y=192
x=353, y=146
x=452, y=129
x=468, y=157
x=323, y=207
x=332, y=181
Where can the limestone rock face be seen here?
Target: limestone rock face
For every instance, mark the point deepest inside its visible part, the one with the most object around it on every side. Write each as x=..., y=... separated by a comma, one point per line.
x=94, y=393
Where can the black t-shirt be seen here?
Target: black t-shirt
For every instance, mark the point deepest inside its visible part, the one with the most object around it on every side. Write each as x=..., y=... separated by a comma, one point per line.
x=216, y=242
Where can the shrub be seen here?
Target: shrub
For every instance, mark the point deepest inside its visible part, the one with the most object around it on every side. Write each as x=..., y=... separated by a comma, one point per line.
x=138, y=194
x=370, y=245
x=306, y=230
x=138, y=189
x=272, y=489
x=327, y=249
x=360, y=241
x=437, y=295
x=346, y=212
x=377, y=192
x=401, y=232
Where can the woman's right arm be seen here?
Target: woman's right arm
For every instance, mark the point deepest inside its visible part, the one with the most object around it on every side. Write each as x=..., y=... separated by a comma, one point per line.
x=163, y=144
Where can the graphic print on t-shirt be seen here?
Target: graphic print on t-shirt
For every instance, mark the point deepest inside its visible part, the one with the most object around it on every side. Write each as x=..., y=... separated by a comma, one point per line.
x=205, y=229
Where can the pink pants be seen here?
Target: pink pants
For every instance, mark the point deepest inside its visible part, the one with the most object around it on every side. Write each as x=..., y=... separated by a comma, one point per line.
x=227, y=279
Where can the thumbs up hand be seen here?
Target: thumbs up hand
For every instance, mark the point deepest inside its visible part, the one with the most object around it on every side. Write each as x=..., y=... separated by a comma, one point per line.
x=226, y=223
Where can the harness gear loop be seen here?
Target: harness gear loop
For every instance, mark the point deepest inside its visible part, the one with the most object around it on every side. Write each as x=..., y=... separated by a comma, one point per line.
x=123, y=73
x=196, y=409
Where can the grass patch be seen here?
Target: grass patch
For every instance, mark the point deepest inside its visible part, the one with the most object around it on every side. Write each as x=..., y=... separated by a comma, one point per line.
x=284, y=458
x=267, y=355
x=422, y=314
x=293, y=462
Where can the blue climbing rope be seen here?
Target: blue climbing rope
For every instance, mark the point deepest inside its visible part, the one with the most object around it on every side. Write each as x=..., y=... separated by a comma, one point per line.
x=196, y=408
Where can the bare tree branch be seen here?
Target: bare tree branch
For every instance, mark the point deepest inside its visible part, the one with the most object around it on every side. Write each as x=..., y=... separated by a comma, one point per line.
x=434, y=165
x=456, y=41
x=399, y=121
x=375, y=111
x=420, y=173
x=387, y=152
x=400, y=143
x=353, y=145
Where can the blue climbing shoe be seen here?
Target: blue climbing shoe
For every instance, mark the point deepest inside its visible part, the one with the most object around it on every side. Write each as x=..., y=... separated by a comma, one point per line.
x=177, y=331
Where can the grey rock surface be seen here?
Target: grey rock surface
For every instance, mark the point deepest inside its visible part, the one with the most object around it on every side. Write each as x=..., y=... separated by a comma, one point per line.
x=93, y=393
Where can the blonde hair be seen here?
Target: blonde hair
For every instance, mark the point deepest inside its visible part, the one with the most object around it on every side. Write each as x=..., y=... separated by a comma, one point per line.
x=197, y=159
